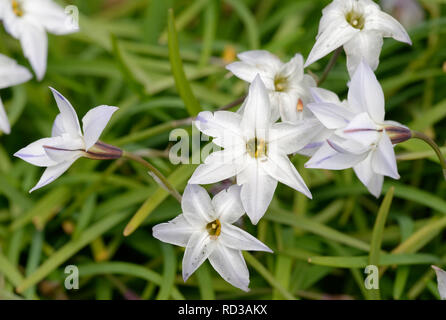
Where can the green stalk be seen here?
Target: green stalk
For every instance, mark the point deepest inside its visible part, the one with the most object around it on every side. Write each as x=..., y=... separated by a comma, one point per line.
x=159, y=177
x=434, y=146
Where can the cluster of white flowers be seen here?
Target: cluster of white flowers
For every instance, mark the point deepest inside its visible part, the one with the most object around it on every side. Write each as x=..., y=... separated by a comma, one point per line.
x=256, y=146
x=314, y=122
x=28, y=21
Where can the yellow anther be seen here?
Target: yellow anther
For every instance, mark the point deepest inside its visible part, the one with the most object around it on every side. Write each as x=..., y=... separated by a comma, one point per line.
x=214, y=228
x=256, y=148
x=17, y=8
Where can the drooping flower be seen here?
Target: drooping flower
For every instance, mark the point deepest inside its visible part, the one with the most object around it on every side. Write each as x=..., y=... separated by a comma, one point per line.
x=29, y=21
x=11, y=74
x=441, y=279
x=287, y=85
x=361, y=138
x=205, y=229
x=359, y=26
x=255, y=150
x=67, y=143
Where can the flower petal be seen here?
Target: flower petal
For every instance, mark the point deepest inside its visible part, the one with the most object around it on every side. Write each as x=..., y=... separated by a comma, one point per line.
x=324, y=95
x=60, y=154
x=69, y=121
x=4, y=122
x=331, y=115
x=441, y=279
x=58, y=128
x=248, y=72
x=50, y=15
x=94, y=123
x=368, y=177
x=223, y=126
x=257, y=191
x=228, y=204
x=197, y=206
x=365, y=46
x=284, y=106
x=293, y=70
x=257, y=113
x=384, y=160
x=263, y=59
x=11, y=73
x=330, y=158
x=198, y=249
x=177, y=231
x=281, y=169
x=236, y=238
x=365, y=93
x=212, y=173
x=52, y=173
x=287, y=138
x=335, y=35
x=35, y=154
x=231, y=266
x=34, y=42
x=387, y=25
x=362, y=130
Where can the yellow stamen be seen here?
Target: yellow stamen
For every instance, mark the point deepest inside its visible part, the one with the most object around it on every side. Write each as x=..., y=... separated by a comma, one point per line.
x=280, y=83
x=17, y=8
x=214, y=228
x=256, y=148
x=355, y=19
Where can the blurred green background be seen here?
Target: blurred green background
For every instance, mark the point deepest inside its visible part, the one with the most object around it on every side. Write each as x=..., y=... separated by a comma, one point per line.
x=120, y=57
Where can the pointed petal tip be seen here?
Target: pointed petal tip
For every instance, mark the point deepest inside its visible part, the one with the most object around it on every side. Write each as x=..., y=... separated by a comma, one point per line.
x=268, y=249
x=186, y=276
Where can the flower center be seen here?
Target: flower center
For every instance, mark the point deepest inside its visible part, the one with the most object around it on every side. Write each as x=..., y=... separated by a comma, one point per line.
x=17, y=8
x=355, y=19
x=214, y=228
x=256, y=148
x=280, y=83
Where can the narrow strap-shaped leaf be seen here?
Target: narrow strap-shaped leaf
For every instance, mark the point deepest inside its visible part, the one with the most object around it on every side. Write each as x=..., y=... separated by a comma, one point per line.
x=178, y=177
x=384, y=260
x=377, y=235
x=268, y=276
x=69, y=249
x=125, y=268
x=181, y=82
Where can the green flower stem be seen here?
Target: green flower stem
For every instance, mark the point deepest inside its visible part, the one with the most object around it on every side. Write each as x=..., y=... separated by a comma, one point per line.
x=164, y=127
x=161, y=179
x=434, y=146
x=329, y=66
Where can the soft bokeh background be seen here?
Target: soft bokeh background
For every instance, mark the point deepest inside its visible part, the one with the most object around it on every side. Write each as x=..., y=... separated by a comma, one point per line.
x=80, y=218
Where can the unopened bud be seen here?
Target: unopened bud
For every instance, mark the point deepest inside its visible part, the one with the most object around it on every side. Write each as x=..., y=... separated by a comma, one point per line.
x=103, y=151
x=398, y=134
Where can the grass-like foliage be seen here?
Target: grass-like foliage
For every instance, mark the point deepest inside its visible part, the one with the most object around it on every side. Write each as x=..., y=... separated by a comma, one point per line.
x=162, y=62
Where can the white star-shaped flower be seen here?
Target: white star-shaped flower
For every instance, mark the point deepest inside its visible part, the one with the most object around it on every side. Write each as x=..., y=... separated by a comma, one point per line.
x=29, y=21
x=205, y=229
x=67, y=143
x=255, y=150
x=361, y=138
x=441, y=279
x=359, y=26
x=11, y=74
x=287, y=85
